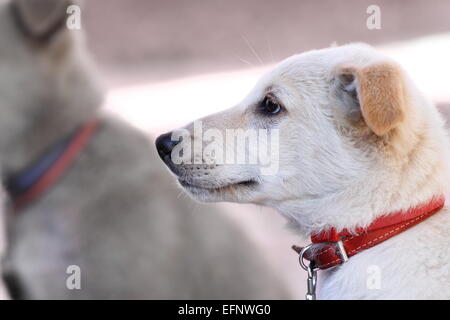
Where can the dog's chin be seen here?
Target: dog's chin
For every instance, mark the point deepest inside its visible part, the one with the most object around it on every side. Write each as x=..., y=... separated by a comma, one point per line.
x=231, y=192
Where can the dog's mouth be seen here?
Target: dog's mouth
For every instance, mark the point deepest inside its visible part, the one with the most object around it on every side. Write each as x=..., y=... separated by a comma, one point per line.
x=251, y=183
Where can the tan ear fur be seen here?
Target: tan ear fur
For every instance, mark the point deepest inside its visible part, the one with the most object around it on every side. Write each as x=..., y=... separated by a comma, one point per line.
x=381, y=95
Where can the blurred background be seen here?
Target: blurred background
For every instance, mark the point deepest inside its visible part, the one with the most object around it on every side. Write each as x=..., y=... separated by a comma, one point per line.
x=166, y=63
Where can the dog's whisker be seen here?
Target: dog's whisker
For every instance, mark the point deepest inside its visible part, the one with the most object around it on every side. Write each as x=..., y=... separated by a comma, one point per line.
x=181, y=194
x=246, y=62
x=270, y=50
x=252, y=49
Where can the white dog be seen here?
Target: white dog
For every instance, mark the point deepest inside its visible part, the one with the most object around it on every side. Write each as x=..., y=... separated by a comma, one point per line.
x=362, y=156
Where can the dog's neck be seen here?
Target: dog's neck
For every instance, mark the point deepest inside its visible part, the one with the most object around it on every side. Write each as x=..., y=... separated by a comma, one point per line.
x=353, y=208
x=413, y=178
x=33, y=137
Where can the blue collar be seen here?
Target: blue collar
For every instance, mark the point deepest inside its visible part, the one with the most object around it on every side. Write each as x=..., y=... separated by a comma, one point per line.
x=23, y=181
x=25, y=186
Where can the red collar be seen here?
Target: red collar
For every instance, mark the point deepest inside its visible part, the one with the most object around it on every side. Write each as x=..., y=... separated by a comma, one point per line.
x=26, y=186
x=332, y=248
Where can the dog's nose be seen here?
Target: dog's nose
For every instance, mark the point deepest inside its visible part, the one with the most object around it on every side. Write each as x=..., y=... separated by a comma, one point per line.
x=165, y=145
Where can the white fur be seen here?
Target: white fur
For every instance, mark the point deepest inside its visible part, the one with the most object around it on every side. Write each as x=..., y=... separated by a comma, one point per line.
x=330, y=176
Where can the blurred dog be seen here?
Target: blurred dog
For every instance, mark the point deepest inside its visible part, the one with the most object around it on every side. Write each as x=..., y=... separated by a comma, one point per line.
x=3, y=294
x=112, y=217
x=360, y=151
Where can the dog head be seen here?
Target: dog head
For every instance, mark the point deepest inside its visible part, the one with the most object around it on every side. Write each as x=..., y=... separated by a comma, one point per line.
x=45, y=79
x=348, y=126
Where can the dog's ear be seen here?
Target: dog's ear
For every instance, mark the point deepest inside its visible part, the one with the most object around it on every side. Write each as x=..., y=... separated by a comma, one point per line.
x=375, y=92
x=41, y=19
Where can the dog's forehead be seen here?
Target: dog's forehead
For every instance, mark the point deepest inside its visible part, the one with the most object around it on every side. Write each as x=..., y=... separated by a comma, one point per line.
x=315, y=63
x=315, y=66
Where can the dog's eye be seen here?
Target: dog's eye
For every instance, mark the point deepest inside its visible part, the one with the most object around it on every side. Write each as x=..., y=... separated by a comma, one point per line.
x=270, y=107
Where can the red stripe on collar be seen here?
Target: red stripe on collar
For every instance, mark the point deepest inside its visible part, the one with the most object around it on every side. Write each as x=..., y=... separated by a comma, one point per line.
x=56, y=171
x=332, y=248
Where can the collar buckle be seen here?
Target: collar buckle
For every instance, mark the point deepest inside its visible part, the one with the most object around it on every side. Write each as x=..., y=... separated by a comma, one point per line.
x=341, y=251
x=311, y=268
